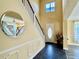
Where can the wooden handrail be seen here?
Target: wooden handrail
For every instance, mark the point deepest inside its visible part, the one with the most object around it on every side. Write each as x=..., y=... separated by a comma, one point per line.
x=35, y=16
x=30, y=6
x=39, y=24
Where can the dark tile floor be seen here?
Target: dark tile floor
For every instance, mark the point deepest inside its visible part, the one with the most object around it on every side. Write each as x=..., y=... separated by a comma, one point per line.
x=51, y=51
x=73, y=52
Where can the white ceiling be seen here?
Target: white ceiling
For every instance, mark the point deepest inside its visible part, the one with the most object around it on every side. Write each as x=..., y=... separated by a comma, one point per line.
x=71, y=9
x=75, y=13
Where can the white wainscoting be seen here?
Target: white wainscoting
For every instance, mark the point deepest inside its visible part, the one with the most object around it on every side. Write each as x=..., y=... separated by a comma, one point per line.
x=26, y=50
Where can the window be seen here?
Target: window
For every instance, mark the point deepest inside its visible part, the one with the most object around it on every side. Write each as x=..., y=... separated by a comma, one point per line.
x=50, y=7
x=76, y=31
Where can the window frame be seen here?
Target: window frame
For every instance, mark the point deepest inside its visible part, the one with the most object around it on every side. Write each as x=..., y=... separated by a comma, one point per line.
x=76, y=36
x=51, y=8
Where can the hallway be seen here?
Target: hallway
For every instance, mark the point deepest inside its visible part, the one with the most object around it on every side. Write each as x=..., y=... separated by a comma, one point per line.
x=51, y=51
x=25, y=26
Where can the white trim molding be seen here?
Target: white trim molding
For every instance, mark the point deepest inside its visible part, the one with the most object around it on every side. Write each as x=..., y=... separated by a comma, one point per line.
x=16, y=47
x=65, y=48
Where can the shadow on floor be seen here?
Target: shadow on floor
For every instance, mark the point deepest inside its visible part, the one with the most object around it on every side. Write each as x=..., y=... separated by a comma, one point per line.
x=51, y=51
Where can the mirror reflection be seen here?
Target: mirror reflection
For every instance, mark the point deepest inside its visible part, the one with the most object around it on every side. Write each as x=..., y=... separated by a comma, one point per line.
x=12, y=24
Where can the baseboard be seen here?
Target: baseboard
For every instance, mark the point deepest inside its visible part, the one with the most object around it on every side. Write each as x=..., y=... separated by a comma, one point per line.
x=65, y=48
x=50, y=43
x=37, y=52
x=74, y=44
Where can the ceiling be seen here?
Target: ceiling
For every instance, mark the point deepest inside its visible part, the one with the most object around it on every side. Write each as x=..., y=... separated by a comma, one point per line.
x=68, y=6
x=75, y=13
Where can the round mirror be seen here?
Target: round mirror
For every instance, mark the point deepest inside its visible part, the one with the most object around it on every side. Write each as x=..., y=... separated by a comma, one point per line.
x=12, y=24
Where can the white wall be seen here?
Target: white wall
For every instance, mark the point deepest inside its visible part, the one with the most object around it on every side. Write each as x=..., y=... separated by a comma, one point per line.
x=24, y=46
